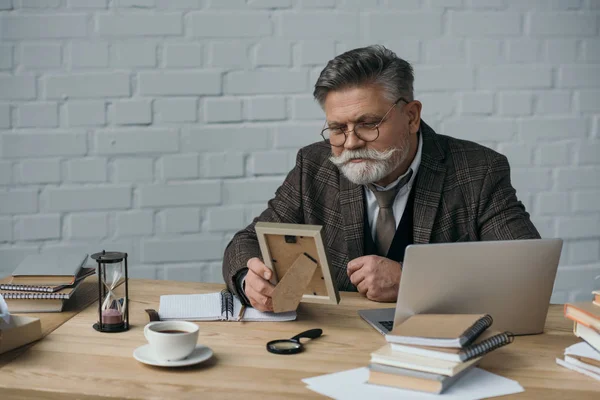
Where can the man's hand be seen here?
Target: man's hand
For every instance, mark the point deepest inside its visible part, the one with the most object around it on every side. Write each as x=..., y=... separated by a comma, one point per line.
x=258, y=289
x=377, y=278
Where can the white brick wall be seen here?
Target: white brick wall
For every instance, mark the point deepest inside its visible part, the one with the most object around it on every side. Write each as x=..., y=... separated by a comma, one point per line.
x=161, y=127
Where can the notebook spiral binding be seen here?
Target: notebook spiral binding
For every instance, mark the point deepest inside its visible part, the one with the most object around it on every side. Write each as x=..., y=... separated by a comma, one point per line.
x=28, y=288
x=226, y=302
x=478, y=327
x=61, y=296
x=488, y=345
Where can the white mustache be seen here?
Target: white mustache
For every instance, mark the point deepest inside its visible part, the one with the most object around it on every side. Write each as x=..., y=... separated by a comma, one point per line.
x=367, y=154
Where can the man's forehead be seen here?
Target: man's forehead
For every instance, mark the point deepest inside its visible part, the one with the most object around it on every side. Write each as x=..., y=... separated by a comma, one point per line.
x=353, y=103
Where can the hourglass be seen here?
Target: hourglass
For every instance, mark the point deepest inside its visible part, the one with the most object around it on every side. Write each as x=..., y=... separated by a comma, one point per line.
x=113, y=293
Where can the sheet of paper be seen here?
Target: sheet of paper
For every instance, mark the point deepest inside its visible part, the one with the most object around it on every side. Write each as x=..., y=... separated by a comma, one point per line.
x=578, y=369
x=351, y=384
x=582, y=349
x=191, y=307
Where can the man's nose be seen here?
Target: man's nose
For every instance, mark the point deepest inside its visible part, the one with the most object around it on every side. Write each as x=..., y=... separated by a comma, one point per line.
x=353, y=141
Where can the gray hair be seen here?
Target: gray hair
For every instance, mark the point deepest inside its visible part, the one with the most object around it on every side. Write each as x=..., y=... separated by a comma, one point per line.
x=363, y=66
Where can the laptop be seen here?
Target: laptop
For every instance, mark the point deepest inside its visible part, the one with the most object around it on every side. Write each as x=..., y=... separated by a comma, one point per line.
x=511, y=280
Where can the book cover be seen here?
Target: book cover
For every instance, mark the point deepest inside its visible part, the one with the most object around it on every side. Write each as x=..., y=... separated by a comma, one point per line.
x=440, y=330
x=485, y=343
x=47, y=288
x=411, y=379
x=585, y=313
x=48, y=270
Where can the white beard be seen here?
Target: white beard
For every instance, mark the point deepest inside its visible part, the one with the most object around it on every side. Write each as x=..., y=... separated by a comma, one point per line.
x=376, y=165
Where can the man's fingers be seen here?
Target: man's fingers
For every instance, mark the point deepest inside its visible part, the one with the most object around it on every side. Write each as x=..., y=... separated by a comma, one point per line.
x=259, y=291
x=258, y=300
x=259, y=268
x=259, y=284
x=355, y=265
x=363, y=287
x=357, y=277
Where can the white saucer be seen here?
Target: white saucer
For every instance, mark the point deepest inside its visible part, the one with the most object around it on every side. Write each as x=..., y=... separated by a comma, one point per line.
x=145, y=355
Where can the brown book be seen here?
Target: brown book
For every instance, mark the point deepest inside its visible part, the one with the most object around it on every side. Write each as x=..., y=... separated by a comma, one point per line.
x=48, y=270
x=386, y=356
x=584, y=313
x=26, y=284
x=485, y=343
x=440, y=330
x=411, y=379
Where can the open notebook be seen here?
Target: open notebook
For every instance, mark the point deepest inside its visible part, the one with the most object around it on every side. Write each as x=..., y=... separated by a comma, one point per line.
x=219, y=306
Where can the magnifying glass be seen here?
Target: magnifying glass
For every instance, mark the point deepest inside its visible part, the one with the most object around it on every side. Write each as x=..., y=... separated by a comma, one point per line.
x=292, y=345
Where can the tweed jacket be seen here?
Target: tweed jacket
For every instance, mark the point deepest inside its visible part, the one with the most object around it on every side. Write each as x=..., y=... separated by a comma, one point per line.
x=463, y=193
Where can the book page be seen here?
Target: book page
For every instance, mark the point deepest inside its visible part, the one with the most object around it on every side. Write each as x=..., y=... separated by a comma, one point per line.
x=191, y=307
x=252, y=315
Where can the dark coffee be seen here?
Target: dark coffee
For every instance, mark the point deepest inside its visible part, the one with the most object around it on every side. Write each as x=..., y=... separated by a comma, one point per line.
x=172, y=331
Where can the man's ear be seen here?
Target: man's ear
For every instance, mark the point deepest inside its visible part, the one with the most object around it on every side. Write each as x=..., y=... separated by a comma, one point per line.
x=413, y=110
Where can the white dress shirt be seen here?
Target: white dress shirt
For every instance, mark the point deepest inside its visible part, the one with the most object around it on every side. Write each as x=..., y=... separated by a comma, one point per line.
x=402, y=196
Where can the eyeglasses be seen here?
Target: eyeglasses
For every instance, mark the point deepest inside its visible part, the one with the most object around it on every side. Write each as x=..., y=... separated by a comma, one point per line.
x=365, y=131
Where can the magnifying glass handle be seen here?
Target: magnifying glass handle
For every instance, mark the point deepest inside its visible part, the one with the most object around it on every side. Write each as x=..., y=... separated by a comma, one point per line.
x=309, y=334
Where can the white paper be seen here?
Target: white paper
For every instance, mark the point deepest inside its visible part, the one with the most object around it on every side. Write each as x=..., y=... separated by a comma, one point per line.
x=190, y=307
x=352, y=384
x=582, y=349
x=579, y=369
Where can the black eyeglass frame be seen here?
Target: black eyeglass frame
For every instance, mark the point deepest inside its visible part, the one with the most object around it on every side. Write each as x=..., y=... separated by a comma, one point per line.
x=376, y=127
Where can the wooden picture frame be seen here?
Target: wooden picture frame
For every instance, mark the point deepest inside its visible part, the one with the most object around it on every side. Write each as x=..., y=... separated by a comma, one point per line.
x=301, y=271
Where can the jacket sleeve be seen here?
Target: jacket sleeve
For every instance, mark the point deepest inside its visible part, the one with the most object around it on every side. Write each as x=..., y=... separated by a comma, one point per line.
x=285, y=207
x=501, y=215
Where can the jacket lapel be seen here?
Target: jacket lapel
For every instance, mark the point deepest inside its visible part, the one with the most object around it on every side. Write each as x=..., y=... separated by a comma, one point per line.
x=352, y=209
x=429, y=185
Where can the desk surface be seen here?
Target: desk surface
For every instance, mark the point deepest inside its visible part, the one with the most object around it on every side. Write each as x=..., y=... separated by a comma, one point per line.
x=75, y=360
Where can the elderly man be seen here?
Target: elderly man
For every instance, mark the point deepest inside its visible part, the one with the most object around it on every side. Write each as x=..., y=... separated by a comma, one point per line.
x=381, y=179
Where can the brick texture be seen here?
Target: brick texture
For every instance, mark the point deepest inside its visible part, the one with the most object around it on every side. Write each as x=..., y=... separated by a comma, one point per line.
x=162, y=127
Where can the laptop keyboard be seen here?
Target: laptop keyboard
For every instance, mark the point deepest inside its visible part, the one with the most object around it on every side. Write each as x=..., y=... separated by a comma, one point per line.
x=387, y=324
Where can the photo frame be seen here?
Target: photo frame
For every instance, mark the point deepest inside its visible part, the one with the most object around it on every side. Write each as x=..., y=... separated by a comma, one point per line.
x=301, y=271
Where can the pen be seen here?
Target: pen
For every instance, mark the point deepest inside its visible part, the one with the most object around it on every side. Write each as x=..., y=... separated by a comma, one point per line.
x=241, y=314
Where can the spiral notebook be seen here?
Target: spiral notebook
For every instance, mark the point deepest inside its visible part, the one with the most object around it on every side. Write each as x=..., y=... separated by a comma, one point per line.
x=62, y=294
x=48, y=273
x=486, y=342
x=440, y=330
x=218, y=306
x=24, y=302
x=49, y=289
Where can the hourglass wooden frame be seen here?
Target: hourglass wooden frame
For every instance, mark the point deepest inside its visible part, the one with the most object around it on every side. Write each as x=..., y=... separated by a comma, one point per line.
x=102, y=259
x=301, y=272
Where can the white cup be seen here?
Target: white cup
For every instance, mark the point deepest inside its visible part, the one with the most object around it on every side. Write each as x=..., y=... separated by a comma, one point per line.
x=169, y=346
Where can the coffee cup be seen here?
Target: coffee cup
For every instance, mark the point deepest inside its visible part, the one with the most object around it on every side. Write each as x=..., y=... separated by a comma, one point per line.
x=171, y=340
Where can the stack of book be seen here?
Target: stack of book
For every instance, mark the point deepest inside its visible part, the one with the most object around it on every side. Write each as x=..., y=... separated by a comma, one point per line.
x=584, y=357
x=44, y=283
x=430, y=352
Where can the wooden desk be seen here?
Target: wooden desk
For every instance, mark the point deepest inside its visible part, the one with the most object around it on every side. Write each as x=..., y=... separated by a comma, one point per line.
x=85, y=295
x=75, y=361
